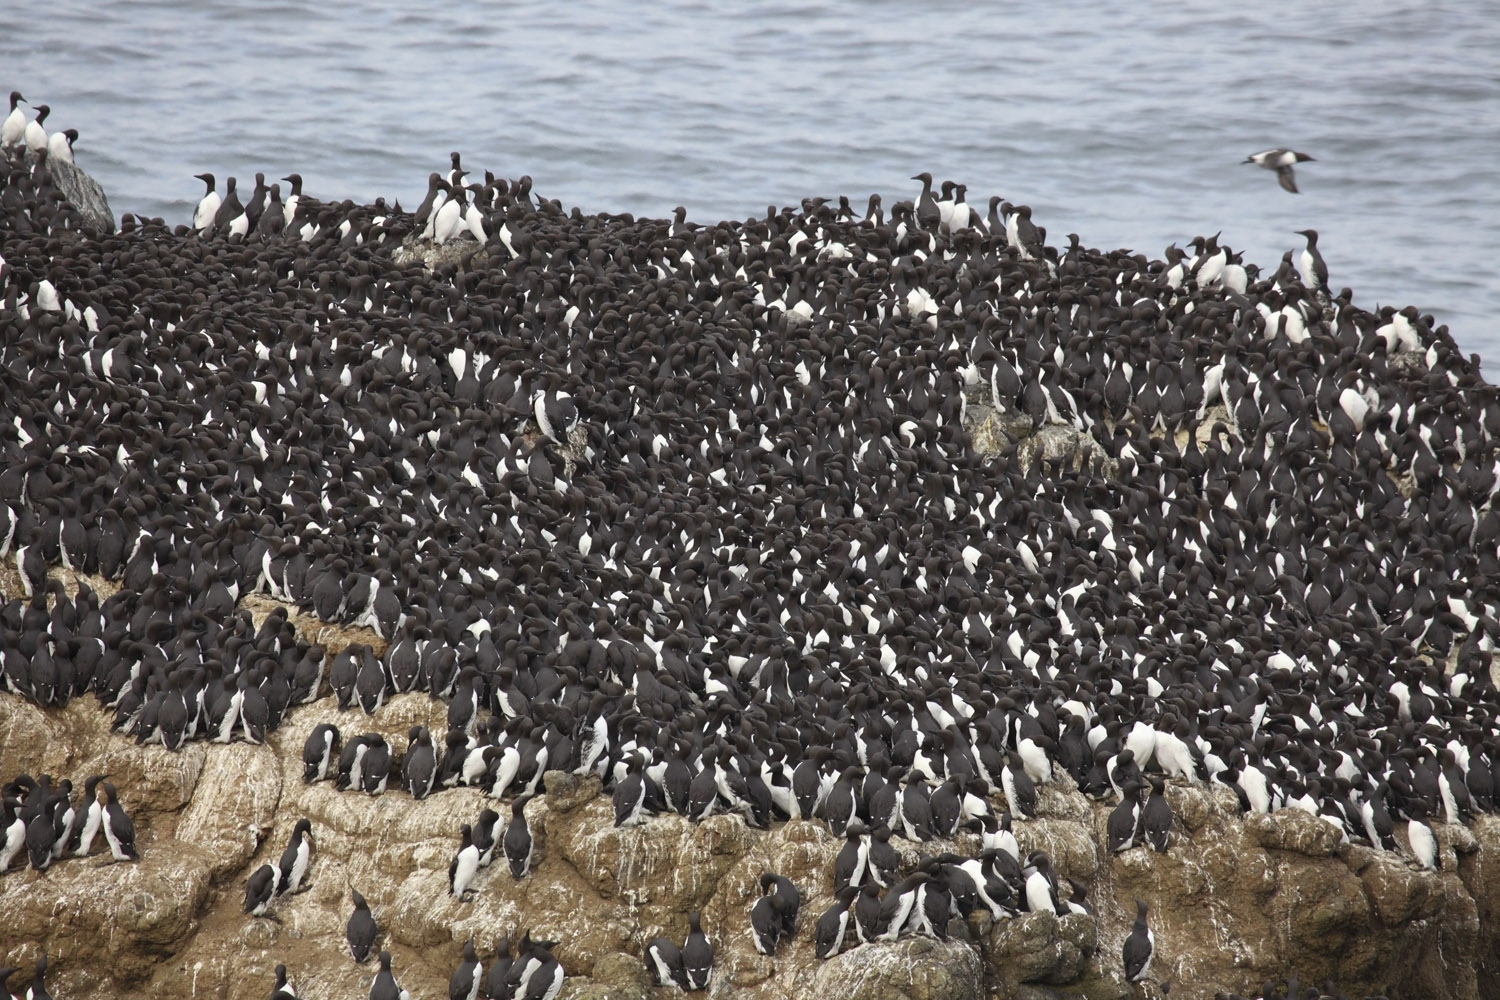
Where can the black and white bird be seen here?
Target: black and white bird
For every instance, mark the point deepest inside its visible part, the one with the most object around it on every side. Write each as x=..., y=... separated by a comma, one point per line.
x=60, y=146
x=465, y=864
x=12, y=833
x=419, y=768
x=849, y=867
x=1021, y=233
x=536, y=974
x=260, y=890
x=1424, y=845
x=231, y=213
x=39, y=835
x=36, y=135
x=1156, y=816
x=828, y=934
x=484, y=835
x=629, y=795
x=1138, y=947
x=1020, y=790
x=494, y=983
x=867, y=913
x=38, y=988
x=376, y=766
x=998, y=836
x=93, y=820
x=1314, y=269
x=13, y=129
x=664, y=963
x=697, y=954
x=1125, y=819
x=1281, y=161
x=898, y=904
x=782, y=888
x=556, y=414
x=294, y=195
x=283, y=989
x=384, y=987
x=119, y=832
x=351, y=763
x=448, y=220
x=464, y=983
x=517, y=841
x=1041, y=885
x=360, y=931
x=317, y=752
x=295, y=859
x=766, y=923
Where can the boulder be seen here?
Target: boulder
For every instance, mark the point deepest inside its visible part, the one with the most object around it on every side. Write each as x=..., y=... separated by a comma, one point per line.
x=84, y=193
x=1295, y=830
x=1041, y=948
x=913, y=969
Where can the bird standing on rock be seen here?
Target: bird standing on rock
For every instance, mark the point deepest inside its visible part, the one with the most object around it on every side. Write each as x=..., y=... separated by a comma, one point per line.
x=465, y=981
x=1314, y=268
x=118, y=830
x=384, y=986
x=317, y=752
x=828, y=936
x=60, y=146
x=260, y=890
x=295, y=859
x=13, y=129
x=1125, y=818
x=1156, y=816
x=1139, y=946
x=782, y=888
x=697, y=954
x=766, y=922
x=36, y=135
x=664, y=963
x=360, y=931
x=465, y=864
x=517, y=840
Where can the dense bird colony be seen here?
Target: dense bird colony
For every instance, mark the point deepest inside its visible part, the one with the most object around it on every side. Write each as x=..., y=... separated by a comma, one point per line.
x=700, y=510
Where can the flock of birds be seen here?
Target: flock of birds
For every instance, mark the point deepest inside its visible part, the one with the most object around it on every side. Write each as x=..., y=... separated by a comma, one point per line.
x=697, y=510
x=20, y=132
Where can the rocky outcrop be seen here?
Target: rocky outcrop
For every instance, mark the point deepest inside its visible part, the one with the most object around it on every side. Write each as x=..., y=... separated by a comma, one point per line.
x=1234, y=902
x=996, y=430
x=915, y=969
x=416, y=248
x=81, y=191
x=85, y=194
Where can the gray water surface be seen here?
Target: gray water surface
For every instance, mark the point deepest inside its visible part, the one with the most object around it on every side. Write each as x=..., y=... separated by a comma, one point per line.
x=1124, y=123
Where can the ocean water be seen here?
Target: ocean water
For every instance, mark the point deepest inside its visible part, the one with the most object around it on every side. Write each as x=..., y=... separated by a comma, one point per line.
x=1126, y=124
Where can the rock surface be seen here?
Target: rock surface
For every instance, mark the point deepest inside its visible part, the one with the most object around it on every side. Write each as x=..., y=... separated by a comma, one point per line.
x=1235, y=901
x=82, y=192
x=85, y=194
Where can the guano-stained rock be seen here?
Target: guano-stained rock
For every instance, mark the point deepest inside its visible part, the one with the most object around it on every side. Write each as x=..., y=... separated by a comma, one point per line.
x=1235, y=901
x=913, y=969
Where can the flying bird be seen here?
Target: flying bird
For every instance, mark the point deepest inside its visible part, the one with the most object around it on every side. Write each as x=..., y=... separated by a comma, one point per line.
x=1281, y=161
